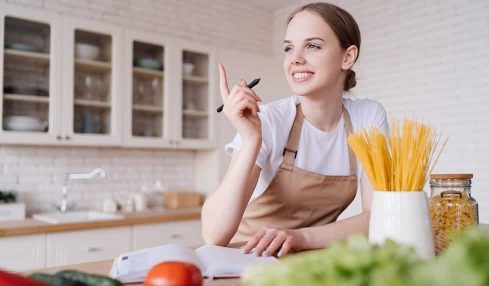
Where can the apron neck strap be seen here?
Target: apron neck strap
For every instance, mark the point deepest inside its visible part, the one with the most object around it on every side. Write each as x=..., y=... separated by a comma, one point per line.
x=349, y=131
x=290, y=152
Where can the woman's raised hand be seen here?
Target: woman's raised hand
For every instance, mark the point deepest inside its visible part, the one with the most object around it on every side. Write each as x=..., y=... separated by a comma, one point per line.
x=241, y=107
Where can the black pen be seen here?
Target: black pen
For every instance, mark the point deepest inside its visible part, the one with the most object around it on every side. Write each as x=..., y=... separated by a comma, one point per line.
x=250, y=85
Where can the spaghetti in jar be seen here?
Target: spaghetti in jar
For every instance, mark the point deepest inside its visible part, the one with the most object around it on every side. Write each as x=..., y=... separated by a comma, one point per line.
x=452, y=207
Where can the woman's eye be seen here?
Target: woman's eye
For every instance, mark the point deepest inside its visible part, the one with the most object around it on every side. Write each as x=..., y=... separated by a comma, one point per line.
x=312, y=46
x=287, y=49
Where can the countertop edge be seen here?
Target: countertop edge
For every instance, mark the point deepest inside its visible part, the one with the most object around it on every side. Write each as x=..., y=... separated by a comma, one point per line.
x=30, y=226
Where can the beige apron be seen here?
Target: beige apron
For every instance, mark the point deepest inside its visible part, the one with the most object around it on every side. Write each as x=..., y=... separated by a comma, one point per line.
x=297, y=198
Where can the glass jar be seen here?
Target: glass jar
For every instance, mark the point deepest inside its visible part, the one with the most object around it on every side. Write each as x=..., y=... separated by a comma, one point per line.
x=451, y=206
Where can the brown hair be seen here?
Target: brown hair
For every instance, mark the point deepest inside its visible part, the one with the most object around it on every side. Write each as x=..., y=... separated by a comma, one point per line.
x=342, y=24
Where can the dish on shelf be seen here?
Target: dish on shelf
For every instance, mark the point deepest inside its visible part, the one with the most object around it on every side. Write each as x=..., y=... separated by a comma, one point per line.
x=23, y=123
x=188, y=69
x=22, y=47
x=148, y=63
x=86, y=51
x=25, y=90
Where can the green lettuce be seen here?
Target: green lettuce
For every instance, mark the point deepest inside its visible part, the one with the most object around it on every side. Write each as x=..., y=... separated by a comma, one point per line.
x=356, y=262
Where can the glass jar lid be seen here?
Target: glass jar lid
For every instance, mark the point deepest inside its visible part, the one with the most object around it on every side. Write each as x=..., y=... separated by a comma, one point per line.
x=452, y=176
x=451, y=180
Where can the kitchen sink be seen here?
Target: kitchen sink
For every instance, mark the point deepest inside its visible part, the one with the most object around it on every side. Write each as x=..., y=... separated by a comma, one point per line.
x=75, y=216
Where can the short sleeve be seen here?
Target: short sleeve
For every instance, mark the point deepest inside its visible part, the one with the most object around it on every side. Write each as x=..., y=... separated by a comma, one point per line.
x=380, y=119
x=265, y=149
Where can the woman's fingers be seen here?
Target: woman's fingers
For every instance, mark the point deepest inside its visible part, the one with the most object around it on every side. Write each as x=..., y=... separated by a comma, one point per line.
x=223, y=83
x=253, y=241
x=264, y=242
x=286, y=247
x=276, y=244
x=246, y=104
x=234, y=100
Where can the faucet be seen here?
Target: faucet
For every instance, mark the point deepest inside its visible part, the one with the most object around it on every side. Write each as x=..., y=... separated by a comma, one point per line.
x=63, y=207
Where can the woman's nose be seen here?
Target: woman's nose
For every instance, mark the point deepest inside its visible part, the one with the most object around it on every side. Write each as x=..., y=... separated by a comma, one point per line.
x=298, y=59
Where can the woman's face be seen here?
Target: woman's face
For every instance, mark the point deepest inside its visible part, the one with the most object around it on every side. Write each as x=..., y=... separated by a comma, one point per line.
x=313, y=56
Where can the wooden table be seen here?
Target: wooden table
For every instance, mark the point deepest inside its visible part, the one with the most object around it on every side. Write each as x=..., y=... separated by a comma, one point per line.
x=103, y=267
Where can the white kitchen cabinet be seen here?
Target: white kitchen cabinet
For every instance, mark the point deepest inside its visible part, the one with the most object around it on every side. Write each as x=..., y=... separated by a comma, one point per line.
x=188, y=233
x=148, y=80
x=23, y=253
x=30, y=66
x=170, y=106
x=92, y=86
x=109, y=94
x=86, y=245
x=195, y=113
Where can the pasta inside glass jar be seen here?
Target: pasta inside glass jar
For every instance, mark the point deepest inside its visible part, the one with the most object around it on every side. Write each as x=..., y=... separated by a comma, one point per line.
x=451, y=206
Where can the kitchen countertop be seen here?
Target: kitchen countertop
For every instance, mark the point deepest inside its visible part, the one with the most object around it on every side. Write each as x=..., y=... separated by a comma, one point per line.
x=103, y=267
x=32, y=226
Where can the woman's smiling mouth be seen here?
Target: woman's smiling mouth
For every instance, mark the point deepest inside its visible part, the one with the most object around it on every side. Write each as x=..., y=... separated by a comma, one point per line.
x=301, y=76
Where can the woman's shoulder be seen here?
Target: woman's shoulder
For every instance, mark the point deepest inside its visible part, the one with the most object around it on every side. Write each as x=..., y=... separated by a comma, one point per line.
x=361, y=104
x=280, y=109
x=365, y=111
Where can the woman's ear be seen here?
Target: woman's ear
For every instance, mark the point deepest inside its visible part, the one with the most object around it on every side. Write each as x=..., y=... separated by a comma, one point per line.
x=349, y=57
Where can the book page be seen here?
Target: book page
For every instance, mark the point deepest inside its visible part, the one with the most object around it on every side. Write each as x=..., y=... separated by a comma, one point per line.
x=221, y=261
x=132, y=266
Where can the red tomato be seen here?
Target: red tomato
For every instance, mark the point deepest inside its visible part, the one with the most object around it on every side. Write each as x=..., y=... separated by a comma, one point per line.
x=11, y=279
x=173, y=273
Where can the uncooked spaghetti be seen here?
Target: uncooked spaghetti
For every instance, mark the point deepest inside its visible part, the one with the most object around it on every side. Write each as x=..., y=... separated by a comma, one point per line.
x=404, y=161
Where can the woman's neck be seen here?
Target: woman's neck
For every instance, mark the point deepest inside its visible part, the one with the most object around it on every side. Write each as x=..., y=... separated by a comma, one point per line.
x=323, y=110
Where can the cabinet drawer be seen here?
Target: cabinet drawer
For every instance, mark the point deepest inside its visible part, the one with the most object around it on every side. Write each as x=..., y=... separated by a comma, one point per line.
x=87, y=245
x=188, y=233
x=22, y=253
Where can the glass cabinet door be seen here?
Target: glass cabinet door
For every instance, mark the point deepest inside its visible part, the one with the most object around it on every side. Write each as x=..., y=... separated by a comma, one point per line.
x=26, y=100
x=147, y=102
x=195, y=95
x=92, y=83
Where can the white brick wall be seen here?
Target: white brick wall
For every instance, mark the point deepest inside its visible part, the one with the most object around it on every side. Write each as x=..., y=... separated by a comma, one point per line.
x=38, y=173
x=429, y=60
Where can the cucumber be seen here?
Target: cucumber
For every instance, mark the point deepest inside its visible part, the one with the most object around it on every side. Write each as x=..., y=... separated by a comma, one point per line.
x=88, y=279
x=53, y=280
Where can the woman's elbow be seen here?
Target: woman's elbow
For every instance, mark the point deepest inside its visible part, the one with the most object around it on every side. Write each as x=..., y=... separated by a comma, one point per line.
x=212, y=239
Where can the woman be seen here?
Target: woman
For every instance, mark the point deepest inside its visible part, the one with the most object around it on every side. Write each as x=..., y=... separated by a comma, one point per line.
x=292, y=172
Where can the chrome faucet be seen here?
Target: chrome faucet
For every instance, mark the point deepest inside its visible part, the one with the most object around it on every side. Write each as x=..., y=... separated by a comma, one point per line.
x=63, y=207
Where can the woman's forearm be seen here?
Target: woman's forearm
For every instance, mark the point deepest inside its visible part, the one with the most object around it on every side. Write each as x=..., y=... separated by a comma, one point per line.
x=223, y=209
x=322, y=236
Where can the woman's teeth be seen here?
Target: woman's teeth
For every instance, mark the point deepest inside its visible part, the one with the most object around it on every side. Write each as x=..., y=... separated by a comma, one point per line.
x=301, y=75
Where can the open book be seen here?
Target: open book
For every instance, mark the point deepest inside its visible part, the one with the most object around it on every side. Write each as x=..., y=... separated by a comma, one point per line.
x=213, y=261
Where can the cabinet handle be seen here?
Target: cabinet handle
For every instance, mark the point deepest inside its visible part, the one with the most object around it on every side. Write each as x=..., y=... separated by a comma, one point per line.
x=92, y=249
x=178, y=142
x=67, y=137
x=171, y=142
x=176, y=236
x=59, y=137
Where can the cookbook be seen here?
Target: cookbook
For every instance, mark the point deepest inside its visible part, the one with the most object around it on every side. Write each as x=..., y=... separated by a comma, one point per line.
x=213, y=261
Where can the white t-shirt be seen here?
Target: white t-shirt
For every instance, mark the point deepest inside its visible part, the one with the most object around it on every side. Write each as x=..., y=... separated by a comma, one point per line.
x=318, y=151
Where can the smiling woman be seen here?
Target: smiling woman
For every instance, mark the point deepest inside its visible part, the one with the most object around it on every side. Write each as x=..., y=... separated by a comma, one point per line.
x=292, y=172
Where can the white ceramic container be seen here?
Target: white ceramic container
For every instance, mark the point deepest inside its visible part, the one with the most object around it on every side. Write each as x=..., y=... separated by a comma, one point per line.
x=12, y=211
x=403, y=217
x=86, y=51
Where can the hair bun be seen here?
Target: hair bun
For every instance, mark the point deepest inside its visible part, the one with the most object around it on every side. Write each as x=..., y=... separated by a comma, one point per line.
x=350, y=80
